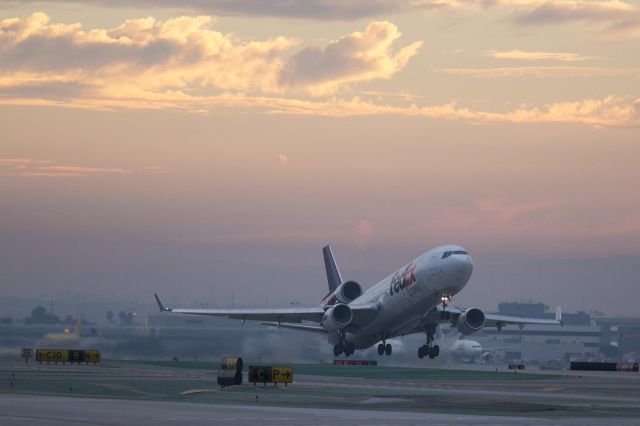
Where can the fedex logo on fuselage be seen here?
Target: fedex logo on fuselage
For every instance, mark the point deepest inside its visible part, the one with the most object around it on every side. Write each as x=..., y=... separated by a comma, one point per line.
x=404, y=279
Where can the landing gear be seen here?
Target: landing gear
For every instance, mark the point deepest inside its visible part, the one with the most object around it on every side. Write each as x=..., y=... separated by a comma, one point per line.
x=429, y=349
x=384, y=348
x=445, y=298
x=348, y=348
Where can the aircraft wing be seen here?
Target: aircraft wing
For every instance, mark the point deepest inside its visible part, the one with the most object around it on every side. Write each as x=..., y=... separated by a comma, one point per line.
x=292, y=315
x=303, y=327
x=435, y=317
x=492, y=320
x=499, y=321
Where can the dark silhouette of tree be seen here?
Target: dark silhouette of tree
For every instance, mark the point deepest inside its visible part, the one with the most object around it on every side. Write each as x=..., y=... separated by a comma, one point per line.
x=39, y=315
x=110, y=317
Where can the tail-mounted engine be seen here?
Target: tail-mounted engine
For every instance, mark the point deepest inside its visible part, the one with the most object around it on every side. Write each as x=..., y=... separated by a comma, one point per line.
x=337, y=317
x=470, y=321
x=345, y=293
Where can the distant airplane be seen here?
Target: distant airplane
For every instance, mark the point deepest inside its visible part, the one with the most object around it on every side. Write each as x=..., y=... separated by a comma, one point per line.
x=414, y=299
x=68, y=336
x=472, y=351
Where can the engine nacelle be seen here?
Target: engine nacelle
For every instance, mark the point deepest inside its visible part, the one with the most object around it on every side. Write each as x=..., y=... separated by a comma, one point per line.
x=337, y=317
x=470, y=321
x=345, y=293
x=348, y=292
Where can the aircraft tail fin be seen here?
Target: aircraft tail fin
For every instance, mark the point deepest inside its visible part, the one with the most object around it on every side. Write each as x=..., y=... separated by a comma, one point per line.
x=333, y=273
x=78, y=326
x=559, y=314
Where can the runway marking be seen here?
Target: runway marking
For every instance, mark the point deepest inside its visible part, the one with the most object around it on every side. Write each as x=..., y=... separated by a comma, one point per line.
x=197, y=391
x=551, y=389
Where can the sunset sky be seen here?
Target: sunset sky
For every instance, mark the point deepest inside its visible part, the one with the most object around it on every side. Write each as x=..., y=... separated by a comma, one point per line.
x=201, y=149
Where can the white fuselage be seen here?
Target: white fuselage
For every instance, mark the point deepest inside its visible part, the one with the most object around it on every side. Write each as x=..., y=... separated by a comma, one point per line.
x=467, y=349
x=412, y=292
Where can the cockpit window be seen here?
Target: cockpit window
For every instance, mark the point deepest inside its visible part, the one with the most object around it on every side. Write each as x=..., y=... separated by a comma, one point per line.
x=449, y=253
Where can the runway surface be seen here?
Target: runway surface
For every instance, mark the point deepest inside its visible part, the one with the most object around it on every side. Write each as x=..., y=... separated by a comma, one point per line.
x=170, y=393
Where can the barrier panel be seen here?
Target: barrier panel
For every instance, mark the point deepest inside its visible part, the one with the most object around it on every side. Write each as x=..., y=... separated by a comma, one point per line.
x=354, y=362
x=604, y=366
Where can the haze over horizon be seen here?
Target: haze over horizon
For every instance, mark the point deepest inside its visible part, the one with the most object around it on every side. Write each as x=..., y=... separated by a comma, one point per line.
x=204, y=149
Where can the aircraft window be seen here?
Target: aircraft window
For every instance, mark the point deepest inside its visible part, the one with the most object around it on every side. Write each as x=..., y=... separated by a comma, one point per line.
x=449, y=253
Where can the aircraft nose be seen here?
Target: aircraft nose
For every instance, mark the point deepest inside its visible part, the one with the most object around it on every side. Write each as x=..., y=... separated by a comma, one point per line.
x=463, y=267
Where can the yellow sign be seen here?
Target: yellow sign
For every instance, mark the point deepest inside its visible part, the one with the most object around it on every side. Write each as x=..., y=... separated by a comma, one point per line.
x=281, y=374
x=67, y=355
x=52, y=355
x=92, y=356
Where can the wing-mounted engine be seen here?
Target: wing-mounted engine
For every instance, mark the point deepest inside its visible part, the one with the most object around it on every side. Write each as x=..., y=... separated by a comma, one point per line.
x=470, y=321
x=345, y=293
x=337, y=317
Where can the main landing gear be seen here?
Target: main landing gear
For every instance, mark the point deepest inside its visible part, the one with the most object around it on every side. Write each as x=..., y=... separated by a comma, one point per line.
x=345, y=347
x=429, y=349
x=384, y=348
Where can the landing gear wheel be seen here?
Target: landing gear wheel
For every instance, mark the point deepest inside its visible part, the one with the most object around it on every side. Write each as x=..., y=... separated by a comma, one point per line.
x=349, y=348
x=381, y=349
x=421, y=351
x=387, y=349
x=436, y=351
x=431, y=355
x=338, y=349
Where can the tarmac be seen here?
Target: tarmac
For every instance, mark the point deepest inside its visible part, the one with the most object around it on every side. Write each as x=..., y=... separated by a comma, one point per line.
x=160, y=393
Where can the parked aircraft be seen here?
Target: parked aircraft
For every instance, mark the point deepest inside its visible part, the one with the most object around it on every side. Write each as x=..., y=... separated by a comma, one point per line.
x=68, y=336
x=468, y=350
x=413, y=299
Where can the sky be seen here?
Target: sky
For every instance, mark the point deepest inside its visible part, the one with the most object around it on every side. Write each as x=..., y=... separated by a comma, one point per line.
x=207, y=150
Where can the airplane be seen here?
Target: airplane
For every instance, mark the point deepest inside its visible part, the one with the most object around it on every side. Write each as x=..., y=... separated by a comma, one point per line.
x=413, y=299
x=67, y=336
x=471, y=350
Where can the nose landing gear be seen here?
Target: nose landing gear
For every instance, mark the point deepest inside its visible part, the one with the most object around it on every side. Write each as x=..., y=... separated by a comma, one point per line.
x=429, y=349
x=445, y=298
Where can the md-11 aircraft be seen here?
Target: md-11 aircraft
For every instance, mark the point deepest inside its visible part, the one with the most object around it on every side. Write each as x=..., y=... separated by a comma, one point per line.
x=413, y=299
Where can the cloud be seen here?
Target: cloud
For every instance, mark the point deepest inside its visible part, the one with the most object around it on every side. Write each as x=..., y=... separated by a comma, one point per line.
x=38, y=168
x=522, y=55
x=344, y=10
x=360, y=56
x=542, y=72
x=156, y=169
x=83, y=170
x=618, y=19
x=362, y=232
x=611, y=111
x=183, y=64
x=498, y=216
x=284, y=159
x=21, y=162
x=143, y=58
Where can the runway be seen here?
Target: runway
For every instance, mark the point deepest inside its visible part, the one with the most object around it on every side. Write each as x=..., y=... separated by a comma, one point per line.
x=166, y=393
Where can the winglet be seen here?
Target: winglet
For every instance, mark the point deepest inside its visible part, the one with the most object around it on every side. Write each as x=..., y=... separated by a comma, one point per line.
x=160, y=305
x=559, y=314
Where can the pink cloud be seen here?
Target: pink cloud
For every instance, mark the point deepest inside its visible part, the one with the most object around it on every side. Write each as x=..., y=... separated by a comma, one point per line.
x=362, y=232
x=284, y=159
